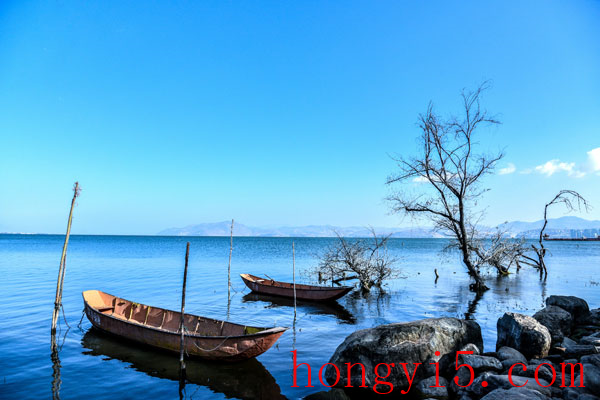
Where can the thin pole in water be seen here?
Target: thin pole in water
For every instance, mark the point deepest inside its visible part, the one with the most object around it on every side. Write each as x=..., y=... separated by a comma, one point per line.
x=294, y=276
x=182, y=325
x=62, y=267
x=229, y=267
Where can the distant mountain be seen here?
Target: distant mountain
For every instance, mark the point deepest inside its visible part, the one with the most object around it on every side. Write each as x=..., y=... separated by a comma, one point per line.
x=568, y=222
x=558, y=227
x=223, y=229
x=567, y=226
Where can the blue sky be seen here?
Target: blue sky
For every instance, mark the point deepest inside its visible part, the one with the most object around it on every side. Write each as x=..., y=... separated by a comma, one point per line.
x=281, y=113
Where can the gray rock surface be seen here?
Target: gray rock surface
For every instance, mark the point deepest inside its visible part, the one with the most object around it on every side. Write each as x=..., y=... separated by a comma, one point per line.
x=508, y=353
x=592, y=359
x=412, y=342
x=425, y=390
x=557, y=320
x=481, y=363
x=591, y=378
x=502, y=382
x=578, y=308
x=514, y=394
x=524, y=334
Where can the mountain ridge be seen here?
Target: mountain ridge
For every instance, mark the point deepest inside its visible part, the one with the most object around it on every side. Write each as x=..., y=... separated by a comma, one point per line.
x=556, y=227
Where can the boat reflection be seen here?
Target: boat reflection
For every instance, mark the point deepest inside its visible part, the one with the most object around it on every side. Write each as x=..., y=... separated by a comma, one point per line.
x=246, y=380
x=330, y=308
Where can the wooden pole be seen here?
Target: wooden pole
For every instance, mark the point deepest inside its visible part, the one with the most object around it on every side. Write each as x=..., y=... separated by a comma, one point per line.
x=294, y=276
x=62, y=267
x=182, y=324
x=229, y=267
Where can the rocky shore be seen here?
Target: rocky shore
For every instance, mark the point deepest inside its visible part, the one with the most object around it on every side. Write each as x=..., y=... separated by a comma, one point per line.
x=536, y=357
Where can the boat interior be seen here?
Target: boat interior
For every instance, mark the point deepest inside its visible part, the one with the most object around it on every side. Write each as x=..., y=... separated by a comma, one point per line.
x=270, y=282
x=159, y=318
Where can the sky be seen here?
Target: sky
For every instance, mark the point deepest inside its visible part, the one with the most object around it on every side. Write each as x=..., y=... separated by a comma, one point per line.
x=282, y=113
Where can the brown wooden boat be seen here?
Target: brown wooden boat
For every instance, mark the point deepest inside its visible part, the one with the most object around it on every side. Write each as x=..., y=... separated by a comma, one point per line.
x=205, y=338
x=303, y=292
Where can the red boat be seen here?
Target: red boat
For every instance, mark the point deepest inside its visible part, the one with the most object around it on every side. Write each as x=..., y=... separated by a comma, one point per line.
x=285, y=289
x=205, y=338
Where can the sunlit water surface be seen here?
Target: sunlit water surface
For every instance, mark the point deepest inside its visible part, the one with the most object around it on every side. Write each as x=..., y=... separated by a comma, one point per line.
x=149, y=270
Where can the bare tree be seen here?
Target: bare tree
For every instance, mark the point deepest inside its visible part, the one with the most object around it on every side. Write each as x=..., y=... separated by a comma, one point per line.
x=451, y=170
x=573, y=201
x=498, y=251
x=365, y=260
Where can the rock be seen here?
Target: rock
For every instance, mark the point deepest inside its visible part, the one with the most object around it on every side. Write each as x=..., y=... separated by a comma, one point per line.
x=425, y=390
x=508, y=353
x=481, y=363
x=568, y=342
x=557, y=351
x=544, y=371
x=555, y=358
x=593, y=318
x=593, y=340
x=538, y=361
x=502, y=382
x=471, y=347
x=524, y=334
x=514, y=394
x=412, y=342
x=591, y=378
x=586, y=396
x=557, y=320
x=333, y=394
x=447, y=362
x=593, y=359
x=506, y=364
x=580, y=350
x=578, y=308
x=570, y=394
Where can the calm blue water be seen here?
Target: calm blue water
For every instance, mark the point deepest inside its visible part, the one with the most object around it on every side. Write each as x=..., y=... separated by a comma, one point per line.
x=149, y=270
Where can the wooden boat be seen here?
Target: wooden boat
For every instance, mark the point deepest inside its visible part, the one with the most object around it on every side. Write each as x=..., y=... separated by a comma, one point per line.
x=205, y=338
x=284, y=289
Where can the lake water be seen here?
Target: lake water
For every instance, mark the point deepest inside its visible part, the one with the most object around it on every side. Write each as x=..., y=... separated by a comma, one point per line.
x=149, y=270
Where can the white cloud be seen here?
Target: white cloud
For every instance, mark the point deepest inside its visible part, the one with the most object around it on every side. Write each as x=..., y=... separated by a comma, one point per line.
x=594, y=159
x=509, y=169
x=420, y=179
x=551, y=167
x=592, y=165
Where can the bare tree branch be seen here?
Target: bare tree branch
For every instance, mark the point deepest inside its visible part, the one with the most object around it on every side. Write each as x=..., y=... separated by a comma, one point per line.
x=572, y=201
x=451, y=172
x=367, y=261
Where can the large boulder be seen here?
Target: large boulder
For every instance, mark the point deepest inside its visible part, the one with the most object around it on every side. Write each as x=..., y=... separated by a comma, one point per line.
x=557, y=320
x=411, y=342
x=524, y=334
x=578, y=308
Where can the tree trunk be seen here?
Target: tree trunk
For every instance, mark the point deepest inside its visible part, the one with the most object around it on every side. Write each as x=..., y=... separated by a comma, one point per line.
x=479, y=285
